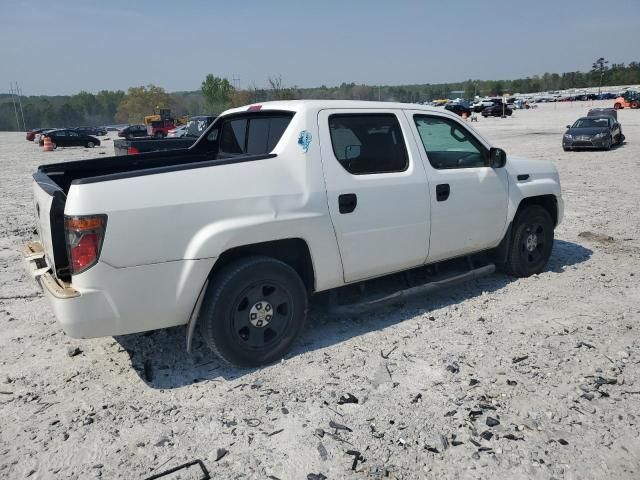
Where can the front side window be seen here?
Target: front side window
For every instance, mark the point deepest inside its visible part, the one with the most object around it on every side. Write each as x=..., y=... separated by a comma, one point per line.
x=368, y=143
x=448, y=144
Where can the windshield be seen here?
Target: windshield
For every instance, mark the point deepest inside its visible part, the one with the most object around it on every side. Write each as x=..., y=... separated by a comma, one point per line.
x=591, y=123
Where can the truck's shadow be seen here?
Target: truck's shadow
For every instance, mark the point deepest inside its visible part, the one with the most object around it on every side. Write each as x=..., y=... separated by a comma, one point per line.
x=161, y=360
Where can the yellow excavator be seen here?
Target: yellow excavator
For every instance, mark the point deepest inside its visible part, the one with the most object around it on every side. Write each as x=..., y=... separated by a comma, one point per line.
x=159, y=124
x=160, y=114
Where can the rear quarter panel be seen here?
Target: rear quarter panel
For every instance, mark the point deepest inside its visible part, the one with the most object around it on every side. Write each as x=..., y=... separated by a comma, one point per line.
x=199, y=213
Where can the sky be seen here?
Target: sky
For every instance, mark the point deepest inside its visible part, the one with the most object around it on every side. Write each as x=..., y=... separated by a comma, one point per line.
x=59, y=47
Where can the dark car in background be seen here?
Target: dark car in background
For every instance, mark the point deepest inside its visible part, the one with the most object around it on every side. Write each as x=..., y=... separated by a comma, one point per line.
x=592, y=133
x=133, y=131
x=458, y=108
x=96, y=131
x=603, y=112
x=67, y=137
x=497, y=110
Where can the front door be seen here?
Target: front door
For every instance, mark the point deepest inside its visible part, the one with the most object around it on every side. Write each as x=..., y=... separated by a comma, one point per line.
x=377, y=191
x=468, y=197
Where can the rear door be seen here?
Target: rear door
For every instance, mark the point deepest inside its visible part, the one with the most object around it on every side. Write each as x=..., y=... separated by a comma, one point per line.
x=468, y=197
x=61, y=139
x=377, y=191
x=75, y=139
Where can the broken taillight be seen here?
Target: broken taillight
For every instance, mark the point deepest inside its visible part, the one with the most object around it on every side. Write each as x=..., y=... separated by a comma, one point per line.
x=84, y=235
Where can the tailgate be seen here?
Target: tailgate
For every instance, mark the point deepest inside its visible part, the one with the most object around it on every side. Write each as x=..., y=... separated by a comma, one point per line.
x=49, y=200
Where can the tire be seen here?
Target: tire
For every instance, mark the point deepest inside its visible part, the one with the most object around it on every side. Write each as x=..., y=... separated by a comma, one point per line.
x=617, y=106
x=240, y=297
x=529, y=255
x=158, y=135
x=609, y=143
x=634, y=105
x=53, y=145
x=90, y=144
x=566, y=149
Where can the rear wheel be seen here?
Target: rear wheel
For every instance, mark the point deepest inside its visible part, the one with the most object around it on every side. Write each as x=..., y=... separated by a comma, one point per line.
x=253, y=311
x=634, y=105
x=531, y=242
x=90, y=144
x=158, y=135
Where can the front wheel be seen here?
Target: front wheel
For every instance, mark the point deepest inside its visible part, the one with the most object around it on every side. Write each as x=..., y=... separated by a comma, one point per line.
x=158, y=135
x=90, y=144
x=617, y=106
x=531, y=242
x=253, y=311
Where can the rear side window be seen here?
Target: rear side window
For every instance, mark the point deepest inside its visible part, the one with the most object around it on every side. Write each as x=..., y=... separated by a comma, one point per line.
x=368, y=143
x=252, y=134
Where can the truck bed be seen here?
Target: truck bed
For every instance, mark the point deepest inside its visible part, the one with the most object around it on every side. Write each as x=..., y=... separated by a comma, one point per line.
x=63, y=174
x=150, y=144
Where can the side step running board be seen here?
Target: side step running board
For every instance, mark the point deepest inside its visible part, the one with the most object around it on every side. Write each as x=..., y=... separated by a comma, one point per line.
x=360, y=307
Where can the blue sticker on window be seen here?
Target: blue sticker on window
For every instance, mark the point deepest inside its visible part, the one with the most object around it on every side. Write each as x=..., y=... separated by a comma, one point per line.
x=304, y=140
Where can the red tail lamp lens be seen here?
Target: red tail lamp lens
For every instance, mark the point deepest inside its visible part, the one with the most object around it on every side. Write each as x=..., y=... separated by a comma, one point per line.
x=85, y=235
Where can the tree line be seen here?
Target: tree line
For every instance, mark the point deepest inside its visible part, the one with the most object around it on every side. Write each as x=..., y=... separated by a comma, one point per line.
x=217, y=93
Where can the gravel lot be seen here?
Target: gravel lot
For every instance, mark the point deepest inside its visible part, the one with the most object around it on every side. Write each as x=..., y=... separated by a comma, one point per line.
x=496, y=378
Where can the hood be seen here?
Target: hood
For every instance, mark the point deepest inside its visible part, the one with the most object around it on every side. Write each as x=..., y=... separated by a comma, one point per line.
x=587, y=131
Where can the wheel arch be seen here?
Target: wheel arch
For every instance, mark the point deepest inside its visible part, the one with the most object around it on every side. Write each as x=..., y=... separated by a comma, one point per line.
x=294, y=252
x=548, y=202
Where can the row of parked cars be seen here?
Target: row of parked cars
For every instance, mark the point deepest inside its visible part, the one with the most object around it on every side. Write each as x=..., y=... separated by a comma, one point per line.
x=67, y=137
x=485, y=108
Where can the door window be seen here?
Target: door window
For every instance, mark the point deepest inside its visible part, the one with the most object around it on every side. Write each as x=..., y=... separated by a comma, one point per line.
x=448, y=144
x=368, y=143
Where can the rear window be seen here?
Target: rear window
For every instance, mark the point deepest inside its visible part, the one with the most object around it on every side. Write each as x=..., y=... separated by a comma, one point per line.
x=255, y=134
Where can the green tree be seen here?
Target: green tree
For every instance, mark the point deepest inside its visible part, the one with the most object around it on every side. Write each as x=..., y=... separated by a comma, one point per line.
x=598, y=69
x=142, y=101
x=217, y=93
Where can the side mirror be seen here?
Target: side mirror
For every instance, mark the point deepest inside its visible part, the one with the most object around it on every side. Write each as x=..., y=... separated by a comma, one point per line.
x=568, y=126
x=497, y=158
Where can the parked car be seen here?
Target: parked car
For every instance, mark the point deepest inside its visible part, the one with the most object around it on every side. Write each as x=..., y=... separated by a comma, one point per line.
x=458, y=109
x=497, y=110
x=70, y=138
x=31, y=134
x=592, y=132
x=160, y=128
x=480, y=105
x=177, y=132
x=95, y=131
x=276, y=202
x=39, y=135
x=603, y=112
x=133, y=131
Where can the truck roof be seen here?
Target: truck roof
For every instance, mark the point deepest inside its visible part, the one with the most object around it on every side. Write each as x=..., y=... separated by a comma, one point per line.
x=302, y=105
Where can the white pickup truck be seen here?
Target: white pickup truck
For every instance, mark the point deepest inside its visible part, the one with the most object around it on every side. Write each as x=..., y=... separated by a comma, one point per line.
x=273, y=203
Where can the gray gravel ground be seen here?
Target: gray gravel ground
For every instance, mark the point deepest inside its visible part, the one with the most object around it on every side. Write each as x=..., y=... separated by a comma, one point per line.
x=496, y=378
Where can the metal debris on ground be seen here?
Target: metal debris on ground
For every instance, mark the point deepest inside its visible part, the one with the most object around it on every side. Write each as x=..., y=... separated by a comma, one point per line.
x=347, y=398
x=203, y=473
